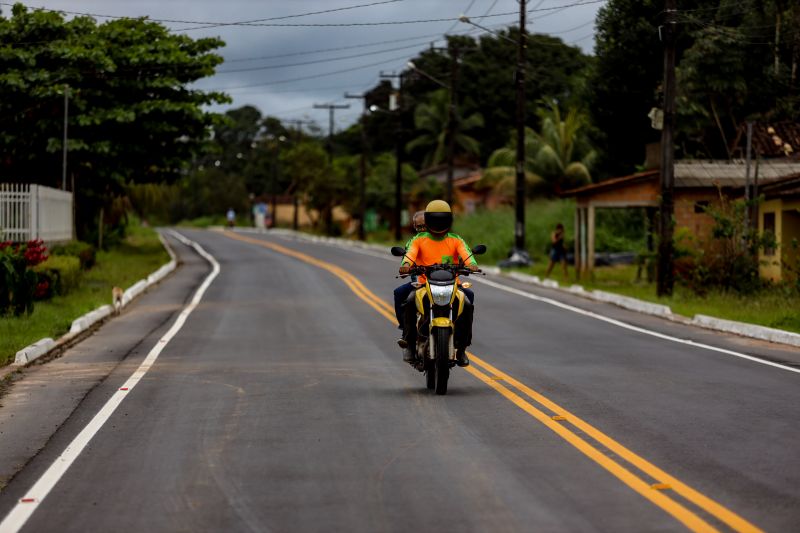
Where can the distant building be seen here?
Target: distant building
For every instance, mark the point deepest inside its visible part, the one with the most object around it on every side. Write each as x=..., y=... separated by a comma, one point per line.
x=780, y=215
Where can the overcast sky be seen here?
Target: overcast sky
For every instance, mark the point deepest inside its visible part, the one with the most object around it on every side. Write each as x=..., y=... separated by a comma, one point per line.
x=388, y=46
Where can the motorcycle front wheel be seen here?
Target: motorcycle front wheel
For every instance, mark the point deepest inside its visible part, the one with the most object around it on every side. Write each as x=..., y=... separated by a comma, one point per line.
x=441, y=347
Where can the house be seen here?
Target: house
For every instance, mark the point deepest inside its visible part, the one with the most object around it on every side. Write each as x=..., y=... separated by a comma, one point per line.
x=698, y=184
x=468, y=195
x=779, y=215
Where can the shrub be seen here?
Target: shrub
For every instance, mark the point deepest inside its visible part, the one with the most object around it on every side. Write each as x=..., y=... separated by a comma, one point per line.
x=85, y=252
x=58, y=275
x=17, y=281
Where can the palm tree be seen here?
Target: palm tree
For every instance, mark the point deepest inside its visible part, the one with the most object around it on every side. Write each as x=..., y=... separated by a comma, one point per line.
x=432, y=117
x=556, y=158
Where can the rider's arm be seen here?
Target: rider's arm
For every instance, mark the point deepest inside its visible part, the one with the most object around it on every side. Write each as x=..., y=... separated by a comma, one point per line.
x=465, y=253
x=410, y=257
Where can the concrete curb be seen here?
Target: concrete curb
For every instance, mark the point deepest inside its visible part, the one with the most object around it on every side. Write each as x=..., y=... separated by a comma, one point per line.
x=747, y=330
x=626, y=302
x=35, y=350
x=83, y=323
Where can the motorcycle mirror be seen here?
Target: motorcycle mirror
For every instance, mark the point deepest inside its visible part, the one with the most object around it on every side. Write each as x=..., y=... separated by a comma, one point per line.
x=480, y=249
x=397, y=251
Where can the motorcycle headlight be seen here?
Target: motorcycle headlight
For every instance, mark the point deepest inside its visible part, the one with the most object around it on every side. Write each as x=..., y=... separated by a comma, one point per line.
x=442, y=294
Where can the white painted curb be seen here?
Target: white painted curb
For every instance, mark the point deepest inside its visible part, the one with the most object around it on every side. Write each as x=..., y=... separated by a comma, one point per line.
x=633, y=304
x=82, y=323
x=747, y=330
x=35, y=350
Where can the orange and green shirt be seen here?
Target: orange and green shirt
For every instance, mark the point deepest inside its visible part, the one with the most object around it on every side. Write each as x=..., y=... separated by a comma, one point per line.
x=425, y=249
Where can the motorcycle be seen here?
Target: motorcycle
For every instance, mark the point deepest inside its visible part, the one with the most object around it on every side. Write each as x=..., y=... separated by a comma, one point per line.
x=436, y=354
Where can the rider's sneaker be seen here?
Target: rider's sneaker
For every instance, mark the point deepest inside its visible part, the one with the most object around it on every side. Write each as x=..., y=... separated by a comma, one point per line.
x=401, y=342
x=461, y=357
x=408, y=355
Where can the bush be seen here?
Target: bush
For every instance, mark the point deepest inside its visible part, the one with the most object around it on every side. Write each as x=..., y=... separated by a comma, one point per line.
x=18, y=282
x=85, y=252
x=58, y=275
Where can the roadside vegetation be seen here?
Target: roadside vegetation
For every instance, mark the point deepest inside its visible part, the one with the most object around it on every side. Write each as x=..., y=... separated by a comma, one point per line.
x=138, y=254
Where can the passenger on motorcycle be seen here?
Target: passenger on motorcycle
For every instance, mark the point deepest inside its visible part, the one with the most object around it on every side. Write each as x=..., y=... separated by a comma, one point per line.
x=401, y=293
x=437, y=246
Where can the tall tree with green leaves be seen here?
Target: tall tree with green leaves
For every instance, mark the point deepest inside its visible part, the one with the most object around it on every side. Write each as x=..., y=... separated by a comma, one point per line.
x=557, y=158
x=133, y=116
x=432, y=119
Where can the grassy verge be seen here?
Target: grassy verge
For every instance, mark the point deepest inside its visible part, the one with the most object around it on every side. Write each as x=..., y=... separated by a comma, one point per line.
x=772, y=307
x=140, y=254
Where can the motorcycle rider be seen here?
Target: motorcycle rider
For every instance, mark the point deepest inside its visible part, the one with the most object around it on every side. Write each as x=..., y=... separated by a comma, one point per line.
x=437, y=246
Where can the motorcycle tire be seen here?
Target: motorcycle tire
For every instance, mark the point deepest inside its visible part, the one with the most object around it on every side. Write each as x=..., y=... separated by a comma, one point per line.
x=430, y=375
x=441, y=345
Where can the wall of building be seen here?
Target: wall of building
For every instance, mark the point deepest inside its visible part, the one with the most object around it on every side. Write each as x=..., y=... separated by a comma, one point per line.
x=770, y=263
x=689, y=213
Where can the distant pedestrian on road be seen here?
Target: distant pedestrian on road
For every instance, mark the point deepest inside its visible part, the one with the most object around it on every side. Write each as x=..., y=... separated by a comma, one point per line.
x=558, y=254
x=231, y=216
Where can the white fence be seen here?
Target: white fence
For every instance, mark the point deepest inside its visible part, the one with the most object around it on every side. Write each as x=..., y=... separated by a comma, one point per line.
x=34, y=212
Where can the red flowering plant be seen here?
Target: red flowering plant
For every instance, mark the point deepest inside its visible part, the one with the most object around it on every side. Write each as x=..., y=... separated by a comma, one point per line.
x=18, y=282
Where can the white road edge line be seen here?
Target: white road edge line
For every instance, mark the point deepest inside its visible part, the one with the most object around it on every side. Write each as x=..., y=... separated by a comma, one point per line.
x=591, y=314
x=26, y=506
x=634, y=328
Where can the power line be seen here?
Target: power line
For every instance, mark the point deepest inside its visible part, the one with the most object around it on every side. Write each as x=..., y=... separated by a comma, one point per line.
x=313, y=76
x=326, y=60
x=471, y=3
x=295, y=16
x=315, y=25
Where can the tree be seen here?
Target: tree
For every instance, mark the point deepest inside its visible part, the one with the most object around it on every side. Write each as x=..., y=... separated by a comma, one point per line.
x=133, y=116
x=557, y=158
x=432, y=118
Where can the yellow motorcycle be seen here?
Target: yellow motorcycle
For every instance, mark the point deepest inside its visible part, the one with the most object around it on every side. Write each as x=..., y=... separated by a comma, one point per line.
x=436, y=325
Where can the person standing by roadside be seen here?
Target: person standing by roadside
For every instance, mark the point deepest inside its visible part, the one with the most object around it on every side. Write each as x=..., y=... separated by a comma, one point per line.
x=558, y=253
x=231, y=217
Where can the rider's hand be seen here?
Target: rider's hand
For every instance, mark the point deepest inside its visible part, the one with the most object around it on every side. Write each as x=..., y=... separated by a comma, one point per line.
x=473, y=267
x=405, y=269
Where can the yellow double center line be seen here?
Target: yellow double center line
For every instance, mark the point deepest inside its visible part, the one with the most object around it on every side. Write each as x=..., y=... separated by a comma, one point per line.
x=660, y=489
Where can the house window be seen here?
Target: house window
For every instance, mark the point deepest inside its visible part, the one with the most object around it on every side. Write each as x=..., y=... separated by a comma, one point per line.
x=769, y=232
x=701, y=206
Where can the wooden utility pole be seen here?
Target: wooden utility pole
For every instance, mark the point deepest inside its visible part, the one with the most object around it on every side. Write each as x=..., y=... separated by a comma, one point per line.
x=331, y=109
x=519, y=255
x=665, y=279
x=362, y=184
x=399, y=148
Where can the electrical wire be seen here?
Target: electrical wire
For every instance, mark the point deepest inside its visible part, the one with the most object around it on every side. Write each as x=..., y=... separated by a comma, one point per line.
x=294, y=16
x=316, y=25
x=471, y=3
x=316, y=61
x=314, y=76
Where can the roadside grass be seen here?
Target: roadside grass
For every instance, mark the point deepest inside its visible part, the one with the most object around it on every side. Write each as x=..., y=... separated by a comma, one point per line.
x=138, y=255
x=774, y=307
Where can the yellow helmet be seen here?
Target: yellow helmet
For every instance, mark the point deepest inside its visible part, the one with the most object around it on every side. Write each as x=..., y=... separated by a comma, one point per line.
x=438, y=217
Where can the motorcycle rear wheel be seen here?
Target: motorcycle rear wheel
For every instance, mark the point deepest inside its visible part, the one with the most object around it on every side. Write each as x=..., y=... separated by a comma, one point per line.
x=441, y=346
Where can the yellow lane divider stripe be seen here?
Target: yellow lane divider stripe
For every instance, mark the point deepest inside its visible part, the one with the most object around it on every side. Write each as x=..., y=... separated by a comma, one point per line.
x=654, y=492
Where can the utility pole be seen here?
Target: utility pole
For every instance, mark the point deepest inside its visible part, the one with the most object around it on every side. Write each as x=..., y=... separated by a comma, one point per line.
x=398, y=174
x=665, y=279
x=519, y=255
x=64, y=147
x=293, y=187
x=362, y=184
x=331, y=109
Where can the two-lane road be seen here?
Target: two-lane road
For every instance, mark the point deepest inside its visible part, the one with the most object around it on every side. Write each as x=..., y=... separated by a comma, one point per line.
x=282, y=404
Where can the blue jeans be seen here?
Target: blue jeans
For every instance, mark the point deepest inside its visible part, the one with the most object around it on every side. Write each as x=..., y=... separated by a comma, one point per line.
x=401, y=295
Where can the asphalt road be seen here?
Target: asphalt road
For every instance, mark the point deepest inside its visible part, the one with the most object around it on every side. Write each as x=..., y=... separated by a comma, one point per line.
x=282, y=404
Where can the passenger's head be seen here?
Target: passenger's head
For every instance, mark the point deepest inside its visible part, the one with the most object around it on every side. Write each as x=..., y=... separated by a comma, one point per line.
x=438, y=217
x=418, y=221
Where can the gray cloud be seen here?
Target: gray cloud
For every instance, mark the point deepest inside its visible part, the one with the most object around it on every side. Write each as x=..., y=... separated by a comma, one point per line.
x=295, y=99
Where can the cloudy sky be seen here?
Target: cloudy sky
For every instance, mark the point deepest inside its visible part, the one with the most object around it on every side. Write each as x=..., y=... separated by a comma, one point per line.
x=284, y=69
